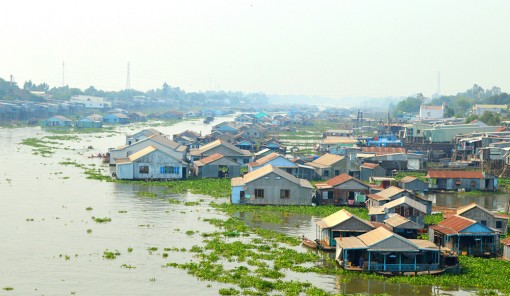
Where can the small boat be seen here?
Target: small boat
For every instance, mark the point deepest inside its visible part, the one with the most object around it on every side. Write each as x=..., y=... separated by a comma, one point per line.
x=208, y=119
x=309, y=243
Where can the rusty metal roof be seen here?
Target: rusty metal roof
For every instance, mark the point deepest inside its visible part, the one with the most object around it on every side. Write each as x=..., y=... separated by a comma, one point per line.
x=453, y=224
x=384, y=150
x=369, y=165
x=506, y=241
x=455, y=175
x=208, y=159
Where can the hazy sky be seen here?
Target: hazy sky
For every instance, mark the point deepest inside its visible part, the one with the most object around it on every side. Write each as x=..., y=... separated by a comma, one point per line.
x=329, y=48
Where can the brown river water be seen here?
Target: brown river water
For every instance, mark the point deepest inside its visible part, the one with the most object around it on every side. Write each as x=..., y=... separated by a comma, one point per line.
x=45, y=248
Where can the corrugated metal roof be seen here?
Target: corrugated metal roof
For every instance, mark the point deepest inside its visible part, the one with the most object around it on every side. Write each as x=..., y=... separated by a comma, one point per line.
x=342, y=178
x=377, y=197
x=238, y=181
x=454, y=175
x=369, y=165
x=142, y=152
x=164, y=141
x=424, y=244
x=208, y=159
x=339, y=217
x=398, y=221
x=350, y=243
x=265, y=159
x=453, y=224
x=328, y=159
x=376, y=210
x=377, y=235
x=390, y=192
x=207, y=147
x=265, y=170
x=408, y=179
x=405, y=199
x=473, y=205
x=506, y=241
x=383, y=150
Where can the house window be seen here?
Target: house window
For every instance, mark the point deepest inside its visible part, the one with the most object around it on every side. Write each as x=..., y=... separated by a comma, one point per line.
x=284, y=193
x=246, y=160
x=143, y=169
x=483, y=222
x=473, y=183
x=337, y=172
x=326, y=173
x=457, y=182
x=259, y=193
x=169, y=170
x=278, y=177
x=499, y=224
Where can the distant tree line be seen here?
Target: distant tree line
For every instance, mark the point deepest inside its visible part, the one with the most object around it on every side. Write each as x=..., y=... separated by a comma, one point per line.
x=10, y=91
x=458, y=105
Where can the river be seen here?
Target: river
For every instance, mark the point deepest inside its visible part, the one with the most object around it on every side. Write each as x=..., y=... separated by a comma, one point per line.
x=50, y=245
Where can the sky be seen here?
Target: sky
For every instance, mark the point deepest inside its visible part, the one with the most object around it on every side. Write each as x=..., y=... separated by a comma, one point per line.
x=338, y=49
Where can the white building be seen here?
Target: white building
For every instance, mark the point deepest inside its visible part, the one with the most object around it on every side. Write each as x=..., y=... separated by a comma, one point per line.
x=480, y=109
x=91, y=102
x=432, y=112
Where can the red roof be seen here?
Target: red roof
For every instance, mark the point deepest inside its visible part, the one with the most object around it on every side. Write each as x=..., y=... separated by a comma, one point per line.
x=384, y=150
x=453, y=224
x=211, y=158
x=506, y=241
x=369, y=165
x=501, y=129
x=339, y=179
x=455, y=175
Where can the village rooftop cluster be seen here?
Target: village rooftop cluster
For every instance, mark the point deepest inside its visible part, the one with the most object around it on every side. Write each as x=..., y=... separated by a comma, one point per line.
x=348, y=170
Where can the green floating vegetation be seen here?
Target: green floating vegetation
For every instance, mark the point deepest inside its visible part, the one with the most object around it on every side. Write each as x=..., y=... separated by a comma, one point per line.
x=88, y=208
x=127, y=266
x=8, y=288
x=191, y=203
x=147, y=194
x=130, y=250
x=40, y=146
x=63, y=138
x=110, y=255
x=267, y=213
x=433, y=218
x=419, y=175
x=102, y=220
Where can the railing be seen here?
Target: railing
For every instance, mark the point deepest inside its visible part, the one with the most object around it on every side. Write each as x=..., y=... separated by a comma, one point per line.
x=402, y=267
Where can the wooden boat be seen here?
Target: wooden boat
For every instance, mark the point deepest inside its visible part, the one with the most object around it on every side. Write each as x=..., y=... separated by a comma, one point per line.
x=309, y=243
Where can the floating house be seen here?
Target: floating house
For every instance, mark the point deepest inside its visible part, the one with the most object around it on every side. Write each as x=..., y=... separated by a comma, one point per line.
x=116, y=118
x=340, y=224
x=381, y=250
x=57, y=121
x=216, y=166
x=91, y=121
x=226, y=149
x=150, y=163
x=342, y=190
x=402, y=226
x=413, y=184
x=392, y=193
x=485, y=217
x=160, y=142
x=404, y=206
x=465, y=236
x=331, y=165
x=463, y=180
x=275, y=160
x=271, y=186
x=144, y=134
x=506, y=248
x=369, y=170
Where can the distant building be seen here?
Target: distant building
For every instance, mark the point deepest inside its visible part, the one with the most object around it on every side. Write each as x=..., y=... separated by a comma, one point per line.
x=90, y=102
x=57, y=121
x=479, y=109
x=432, y=112
x=91, y=121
